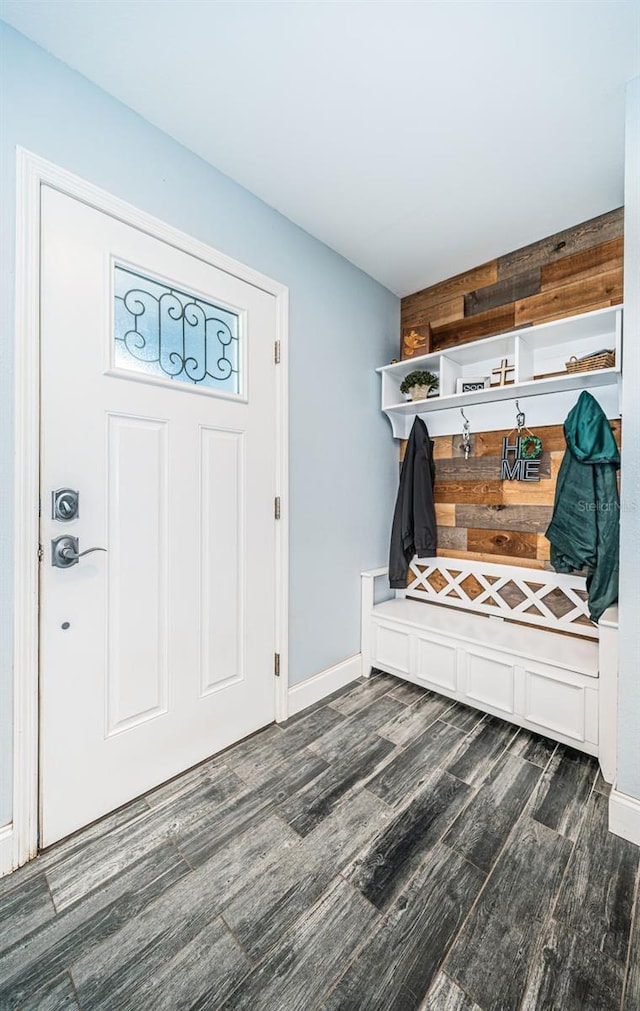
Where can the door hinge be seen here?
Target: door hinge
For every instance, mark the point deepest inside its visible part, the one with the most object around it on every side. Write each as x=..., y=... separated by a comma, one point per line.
x=276, y=352
x=276, y=664
x=40, y=552
x=276, y=507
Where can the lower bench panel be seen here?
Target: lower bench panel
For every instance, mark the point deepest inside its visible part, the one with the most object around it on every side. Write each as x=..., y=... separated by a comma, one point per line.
x=553, y=701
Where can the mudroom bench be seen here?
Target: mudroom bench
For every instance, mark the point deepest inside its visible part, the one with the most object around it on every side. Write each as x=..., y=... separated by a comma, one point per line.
x=510, y=641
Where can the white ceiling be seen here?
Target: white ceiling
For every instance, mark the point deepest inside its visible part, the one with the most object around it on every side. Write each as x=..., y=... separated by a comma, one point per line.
x=417, y=139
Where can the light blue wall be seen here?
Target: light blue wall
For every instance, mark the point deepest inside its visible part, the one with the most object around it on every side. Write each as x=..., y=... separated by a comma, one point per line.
x=342, y=324
x=629, y=676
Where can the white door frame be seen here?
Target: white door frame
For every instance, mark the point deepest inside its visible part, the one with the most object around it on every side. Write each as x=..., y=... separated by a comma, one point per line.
x=32, y=172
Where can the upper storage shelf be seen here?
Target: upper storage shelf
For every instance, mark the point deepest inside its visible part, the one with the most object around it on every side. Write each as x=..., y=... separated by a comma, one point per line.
x=537, y=356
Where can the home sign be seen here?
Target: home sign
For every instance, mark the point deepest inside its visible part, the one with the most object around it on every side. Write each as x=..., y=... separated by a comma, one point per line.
x=520, y=459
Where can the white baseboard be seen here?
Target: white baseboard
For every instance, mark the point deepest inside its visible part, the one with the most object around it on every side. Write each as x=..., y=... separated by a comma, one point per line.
x=324, y=683
x=6, y=849
x=624, y=816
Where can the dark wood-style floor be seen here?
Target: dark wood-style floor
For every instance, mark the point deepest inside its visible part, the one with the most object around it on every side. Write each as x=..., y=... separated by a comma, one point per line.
x=386, y=850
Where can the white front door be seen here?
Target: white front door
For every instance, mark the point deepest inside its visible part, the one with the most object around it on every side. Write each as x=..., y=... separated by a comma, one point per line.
x=159, y=409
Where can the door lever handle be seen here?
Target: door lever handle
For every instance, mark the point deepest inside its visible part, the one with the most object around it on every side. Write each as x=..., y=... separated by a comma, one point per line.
x=65, y=553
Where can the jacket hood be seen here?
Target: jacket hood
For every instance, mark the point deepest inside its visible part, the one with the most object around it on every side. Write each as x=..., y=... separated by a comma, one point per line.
x=588, y=433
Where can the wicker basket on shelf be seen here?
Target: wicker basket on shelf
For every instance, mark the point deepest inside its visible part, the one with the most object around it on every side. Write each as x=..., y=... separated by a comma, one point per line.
x=601, y=360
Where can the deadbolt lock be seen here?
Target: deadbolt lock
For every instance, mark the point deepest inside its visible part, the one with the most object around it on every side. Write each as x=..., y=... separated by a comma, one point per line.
x=65, y=504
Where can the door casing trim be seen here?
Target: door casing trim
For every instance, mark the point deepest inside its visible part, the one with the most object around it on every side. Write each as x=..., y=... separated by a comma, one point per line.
x=32, y=172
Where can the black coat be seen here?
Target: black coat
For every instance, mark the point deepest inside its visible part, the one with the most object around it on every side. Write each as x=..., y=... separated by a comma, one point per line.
x=414, y=519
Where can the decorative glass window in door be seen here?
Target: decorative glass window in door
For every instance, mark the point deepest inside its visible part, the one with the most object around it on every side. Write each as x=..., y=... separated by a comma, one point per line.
x=164, y=332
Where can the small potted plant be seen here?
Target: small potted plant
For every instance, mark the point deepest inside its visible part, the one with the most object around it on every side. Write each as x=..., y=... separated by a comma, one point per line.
x=419, y=384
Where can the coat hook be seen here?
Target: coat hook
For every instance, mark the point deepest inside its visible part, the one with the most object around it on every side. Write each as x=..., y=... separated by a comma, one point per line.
x=466, y=438
x=520, y=419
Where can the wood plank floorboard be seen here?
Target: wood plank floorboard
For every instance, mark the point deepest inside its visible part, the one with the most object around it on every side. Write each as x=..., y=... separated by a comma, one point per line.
x=415, y=719
x=385, y=867
x=267, y=906
x=445, y=995
x=481, y=830
x=363, y=694
x=480, y=749
x=25, y=909
x=78, y=930
x=298, y=972
x=395, y=969
x=490, y=958
x=310, y=805
x=413, y=766
x=598, y=892
x=108, y=976
x=572, y=976
x=632, y=982
x=564, y=790
x=388, y=849
x=59, y=995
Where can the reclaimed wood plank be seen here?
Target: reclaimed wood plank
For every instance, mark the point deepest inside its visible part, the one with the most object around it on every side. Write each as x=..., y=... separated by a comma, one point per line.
x=563, y=791
x=596, y=260
x=301, y=969
x=262, y=911
x=452, y=537
x=387, y=864
x=503, y=292
x=445, y=995
x=597, y=895
x=592, y=307
x=394, y=970
x=569, y=298
x=201, y=976
x=315, y=801
x=413, y=767
x=479, y=468
x=562, y=244
x=543, y=548
x=474, y=758
x=525, y=518
x=413, y=721
x=491, y=956
x=486, y=273
x=109, y=974
x=572, y=975
x=533, y=492
x=481, y=830
x=445, y=514
x=468, y=491
x=355, y=730
x=484, y=324
x=428, y=311
x=442, y=447
x=82, y=928
x=503, y=542
x=58, y=995
x=490, y=443
x=25, y=909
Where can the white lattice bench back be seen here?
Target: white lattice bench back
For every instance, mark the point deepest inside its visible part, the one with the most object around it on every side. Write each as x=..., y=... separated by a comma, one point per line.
x=536, y=596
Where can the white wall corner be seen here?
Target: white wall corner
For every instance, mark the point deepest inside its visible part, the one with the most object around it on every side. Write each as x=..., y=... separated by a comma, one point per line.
x=324, y=683
x=624, y=816
x=6, y=849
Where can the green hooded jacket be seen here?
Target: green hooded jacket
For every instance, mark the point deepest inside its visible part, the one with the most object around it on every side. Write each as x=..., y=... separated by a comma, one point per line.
x=584, y=530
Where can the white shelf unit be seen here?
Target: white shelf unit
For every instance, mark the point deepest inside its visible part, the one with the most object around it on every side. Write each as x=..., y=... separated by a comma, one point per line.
x=533, y=351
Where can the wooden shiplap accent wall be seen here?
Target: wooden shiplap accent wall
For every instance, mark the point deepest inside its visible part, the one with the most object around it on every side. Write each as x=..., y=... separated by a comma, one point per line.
x=481, y=517
x=578, y=270
x=573, y=271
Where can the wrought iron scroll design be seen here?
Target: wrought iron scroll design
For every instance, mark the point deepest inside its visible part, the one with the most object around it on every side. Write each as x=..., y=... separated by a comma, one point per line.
x=182, y=336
